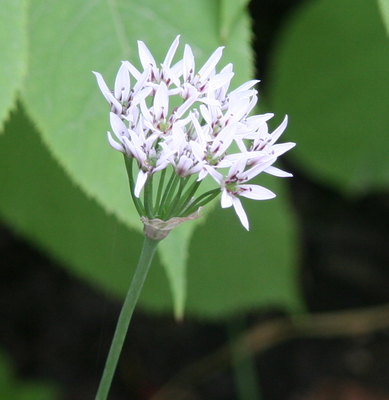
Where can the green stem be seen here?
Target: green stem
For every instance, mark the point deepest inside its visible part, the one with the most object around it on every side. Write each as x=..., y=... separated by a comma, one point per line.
x=160, y=188
x=175, y=202
x=200, y=202
x=186, y=198
x=148, y=251
x=148, y=197
x=162, y=204
x=169, y=192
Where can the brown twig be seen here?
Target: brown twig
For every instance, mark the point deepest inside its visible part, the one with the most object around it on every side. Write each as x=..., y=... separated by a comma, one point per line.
x=271, y=333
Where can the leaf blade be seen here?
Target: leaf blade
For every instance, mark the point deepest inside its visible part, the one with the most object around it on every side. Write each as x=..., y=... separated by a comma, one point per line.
x=13, y=48
x=330, y=76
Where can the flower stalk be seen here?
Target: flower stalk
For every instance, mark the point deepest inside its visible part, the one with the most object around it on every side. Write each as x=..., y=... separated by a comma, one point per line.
x=146, y=257
x=195, y=140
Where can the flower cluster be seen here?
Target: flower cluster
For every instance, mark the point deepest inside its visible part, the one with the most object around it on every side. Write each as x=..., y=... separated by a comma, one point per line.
x=208, y=132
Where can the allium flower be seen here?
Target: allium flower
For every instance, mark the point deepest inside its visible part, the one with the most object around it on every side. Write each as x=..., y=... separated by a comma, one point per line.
x=182, y=144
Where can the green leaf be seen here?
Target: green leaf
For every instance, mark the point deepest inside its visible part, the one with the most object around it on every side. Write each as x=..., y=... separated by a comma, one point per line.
x=330, y=74
x=12, y=388
x=39, y=201
x=231, y=12
x=231, y=269
x=176, y=248
x=68, y=40
x=384, y=7
x=13, y=50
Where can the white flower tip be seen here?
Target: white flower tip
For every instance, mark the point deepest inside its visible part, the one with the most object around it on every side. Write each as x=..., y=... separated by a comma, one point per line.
x=284, y=123
x=245, y=222
x=140, y=182
x=114, y=144
x=241, y=213
x=98, y=76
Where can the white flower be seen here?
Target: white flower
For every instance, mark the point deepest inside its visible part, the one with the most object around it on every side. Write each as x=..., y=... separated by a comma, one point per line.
x=170, y=116
x=265, y=142
x=233, y=185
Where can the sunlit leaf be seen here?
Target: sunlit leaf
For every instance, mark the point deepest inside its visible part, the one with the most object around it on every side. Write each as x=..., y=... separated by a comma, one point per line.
x=39, y=200
x=13, y=50
x=68, y=40
x=384, y=7
x=230, y=14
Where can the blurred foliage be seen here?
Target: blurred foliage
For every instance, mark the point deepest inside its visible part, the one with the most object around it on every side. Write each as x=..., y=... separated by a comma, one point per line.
x=12, y=388
x=384, y=7
x=330, y=73
x=66, y=116
x=63, y=187
x=13, y=44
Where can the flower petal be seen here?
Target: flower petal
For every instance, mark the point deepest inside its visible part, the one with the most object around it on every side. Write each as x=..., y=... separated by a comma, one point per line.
x=279, y=131
x=277, y=172
x=140, y=182
x=240, y=212
x=122, y=83
x=281, y=148
x=114, y=143
x=188, y=65
x=257, y=168
x=208, y=67
x=215, y=174
x=161, y=102
x=145, y=56
x=226, y=199
x=118, y=126
x=256, y=192
x=102, y=85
